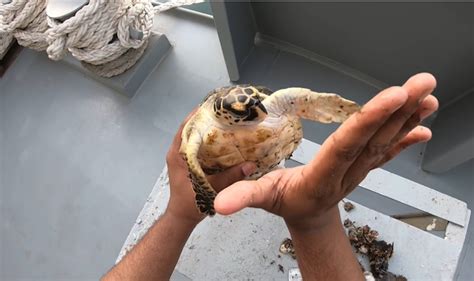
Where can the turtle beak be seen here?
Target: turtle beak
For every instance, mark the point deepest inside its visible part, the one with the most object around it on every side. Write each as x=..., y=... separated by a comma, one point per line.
x=260, y=105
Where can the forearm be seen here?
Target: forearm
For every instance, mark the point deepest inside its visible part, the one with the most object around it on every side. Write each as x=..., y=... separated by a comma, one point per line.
x=156, y=255
x=323, y=251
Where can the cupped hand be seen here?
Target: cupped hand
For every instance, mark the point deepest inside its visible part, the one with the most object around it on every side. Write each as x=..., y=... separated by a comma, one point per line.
x=181, y=203
x=384, y=126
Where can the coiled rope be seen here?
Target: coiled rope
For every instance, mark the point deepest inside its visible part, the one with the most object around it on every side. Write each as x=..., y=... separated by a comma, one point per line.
x=24, y=20
x=107, y=36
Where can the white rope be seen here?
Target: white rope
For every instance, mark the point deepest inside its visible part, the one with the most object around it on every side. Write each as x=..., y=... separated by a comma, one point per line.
x=24, y=20
x=119, y=65
x=102, y=34
x=99, y=34
x=5, y=41
x=174, y=4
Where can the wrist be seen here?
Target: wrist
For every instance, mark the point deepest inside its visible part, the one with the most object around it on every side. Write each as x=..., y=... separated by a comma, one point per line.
x=322, y=249
x=311, y=224
x=186, y=219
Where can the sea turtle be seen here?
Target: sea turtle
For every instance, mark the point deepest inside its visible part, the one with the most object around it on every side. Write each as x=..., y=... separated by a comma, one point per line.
x=250, y=123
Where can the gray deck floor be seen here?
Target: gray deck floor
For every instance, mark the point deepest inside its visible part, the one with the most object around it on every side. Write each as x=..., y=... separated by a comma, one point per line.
x=78, y=160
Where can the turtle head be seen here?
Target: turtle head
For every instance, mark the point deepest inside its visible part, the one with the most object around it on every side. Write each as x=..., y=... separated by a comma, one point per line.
x=240, y=105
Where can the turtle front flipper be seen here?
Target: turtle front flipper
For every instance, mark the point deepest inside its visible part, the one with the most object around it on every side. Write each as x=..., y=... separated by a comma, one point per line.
x=322, y=107
x=204, y=193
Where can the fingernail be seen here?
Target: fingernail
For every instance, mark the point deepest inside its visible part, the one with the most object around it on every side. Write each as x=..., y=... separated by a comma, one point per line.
x=248, y=168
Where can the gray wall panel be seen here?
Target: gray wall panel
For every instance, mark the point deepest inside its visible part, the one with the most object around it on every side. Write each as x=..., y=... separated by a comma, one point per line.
x=388, y=41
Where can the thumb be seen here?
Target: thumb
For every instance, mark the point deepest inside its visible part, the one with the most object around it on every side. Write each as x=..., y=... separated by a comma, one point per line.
x=233, y=174
x=257, y=193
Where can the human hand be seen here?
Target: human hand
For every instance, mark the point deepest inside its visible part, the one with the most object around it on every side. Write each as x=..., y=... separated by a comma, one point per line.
x=181, y=203
x=385, y=126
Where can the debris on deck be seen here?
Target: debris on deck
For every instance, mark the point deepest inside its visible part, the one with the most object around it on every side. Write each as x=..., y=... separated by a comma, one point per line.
x=287, y=248
x=348, y=206
x=364, y=240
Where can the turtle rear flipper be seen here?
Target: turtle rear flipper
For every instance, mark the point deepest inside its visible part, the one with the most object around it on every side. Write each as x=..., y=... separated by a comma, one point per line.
x=321, y=107
x=204, y=193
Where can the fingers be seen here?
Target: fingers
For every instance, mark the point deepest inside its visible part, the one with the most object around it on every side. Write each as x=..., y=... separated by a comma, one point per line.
x=368, y=135
x=344, y=146
x=417, y=135
x=359, y=170
x=242, y=194
x=419, y=103
x=173, y=152
x=383, y=142
x=177, y=137
x=427, y=107
x=418, y=88
x=229, y=176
